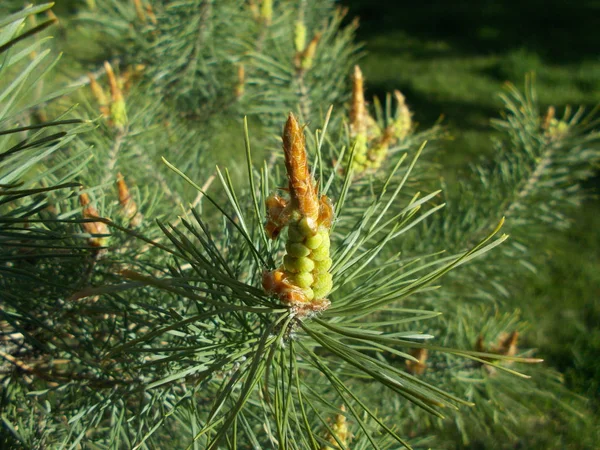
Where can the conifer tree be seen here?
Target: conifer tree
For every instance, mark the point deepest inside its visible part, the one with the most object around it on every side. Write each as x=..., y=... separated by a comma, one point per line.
x=289, y=301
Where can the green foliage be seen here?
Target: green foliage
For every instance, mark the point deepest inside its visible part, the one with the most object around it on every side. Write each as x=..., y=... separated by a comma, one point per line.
x=210, y=56
x=133, y=314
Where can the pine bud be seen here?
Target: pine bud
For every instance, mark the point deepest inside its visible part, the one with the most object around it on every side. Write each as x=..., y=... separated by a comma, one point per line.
x=95, y=228
x=554, y=129
x=241, y=81
x=139, y=10
x=308, y=55
x=417, y=368
x=276, y=215
x=118, y=110
x=379, y=149
x=303, y=281
x=99, y=95
x=151, y=15
x=254, y=9
x=341, y=431
x=358, y=122
x=403, y=121
x=299, y=36
x=129, y=208
x=266, y=12
x=358, y=110
x=132, y=74
x=301, y=186
x=53, y=17
x=507, y=344
x=549, y=117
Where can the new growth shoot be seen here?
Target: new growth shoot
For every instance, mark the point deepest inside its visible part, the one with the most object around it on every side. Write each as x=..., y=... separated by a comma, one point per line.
x=303, y=281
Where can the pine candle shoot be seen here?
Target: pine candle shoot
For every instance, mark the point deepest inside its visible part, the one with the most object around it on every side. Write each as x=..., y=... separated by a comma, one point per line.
x=303, y=281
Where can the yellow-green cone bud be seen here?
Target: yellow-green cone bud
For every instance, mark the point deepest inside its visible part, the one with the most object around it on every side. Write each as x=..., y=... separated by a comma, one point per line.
x=309, y=294
x=307, y=227
x=322, y=266
x=314, y=241
x=320, y=254
x=297, y=250
x=295, y=265
x=360, y=153
x=118, y=113
x=266, y=11
x=303, y=280
x=299, y=36
x=322, y=285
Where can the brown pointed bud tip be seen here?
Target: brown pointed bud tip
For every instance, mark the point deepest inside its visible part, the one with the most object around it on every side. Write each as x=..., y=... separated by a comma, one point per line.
x=357, y=72
x=97, y=91
x=301, y=187
x=508, y=345
x=139, y=10
x=151, y=15
x=417, y=368
x=291, y=132
x=84, y=199
x=128, y=206
x=52, y=16
x=124, y=196
x=548, y=118
x=399, y=97
x=89, y=212
x=241, y=79
x=115, y=91
x=317, y=37
x=358, y=114
x=306, y=57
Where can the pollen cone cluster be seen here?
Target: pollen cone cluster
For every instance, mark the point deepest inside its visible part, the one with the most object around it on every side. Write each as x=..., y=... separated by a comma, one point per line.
x=341, y=431
x=112, y=108
x=303, y=280
x=371, y=139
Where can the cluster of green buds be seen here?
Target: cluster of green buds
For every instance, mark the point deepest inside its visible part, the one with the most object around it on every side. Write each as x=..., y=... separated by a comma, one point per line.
x=553, y=128
x=303, y=281
x=113, y=108
x=305, y=54
x=370, y=139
